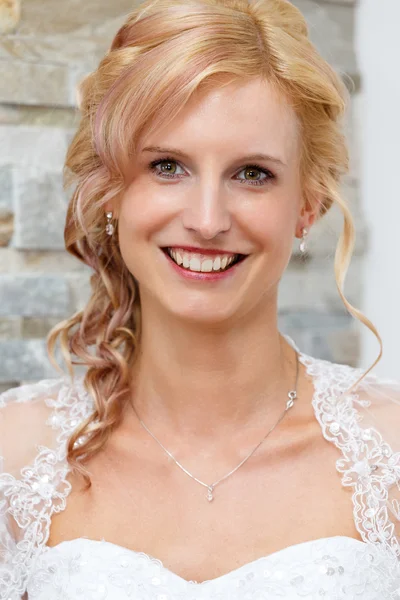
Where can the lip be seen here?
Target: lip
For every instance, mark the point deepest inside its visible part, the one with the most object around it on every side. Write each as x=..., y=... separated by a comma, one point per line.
x=194, y=249
x=201, y=275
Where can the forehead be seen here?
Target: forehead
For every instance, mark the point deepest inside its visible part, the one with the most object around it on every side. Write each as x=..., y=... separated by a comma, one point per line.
x=236, y=116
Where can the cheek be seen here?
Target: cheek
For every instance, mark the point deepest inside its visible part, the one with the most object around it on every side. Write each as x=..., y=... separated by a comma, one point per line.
x=142, y=213
x=272, y=225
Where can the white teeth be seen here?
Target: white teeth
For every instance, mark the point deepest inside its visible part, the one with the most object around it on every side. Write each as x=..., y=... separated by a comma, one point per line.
x=199, y=263
x=207, y=266
x=217, y=264
x=195, y=264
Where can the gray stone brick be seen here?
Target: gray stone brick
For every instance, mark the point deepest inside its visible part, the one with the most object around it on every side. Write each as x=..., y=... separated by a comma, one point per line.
x=6, y=227
x=32, y=327
x=61, y=50
x=42, y=18
x=9, y=114
x=34, y=296
x=70, y=19
x=40, y=209
x=29, y=83
x=6, y=189
x=57, y=117
x=80, y=288
x=9, y=260
x=39, y=261
x=25, y=360
x=10, y=328
x=33, y=146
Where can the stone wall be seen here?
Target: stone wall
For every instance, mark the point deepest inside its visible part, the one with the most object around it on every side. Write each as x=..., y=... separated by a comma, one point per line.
x=45, y=48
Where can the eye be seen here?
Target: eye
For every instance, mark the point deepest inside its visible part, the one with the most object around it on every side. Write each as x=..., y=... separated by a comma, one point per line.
x=255, y=171
x=169, y=164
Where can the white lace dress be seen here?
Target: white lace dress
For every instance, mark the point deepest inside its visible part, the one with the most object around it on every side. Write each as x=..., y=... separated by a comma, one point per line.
x=365, y=427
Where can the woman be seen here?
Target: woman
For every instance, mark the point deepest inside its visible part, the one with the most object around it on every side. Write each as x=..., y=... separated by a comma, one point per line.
x=199, y=454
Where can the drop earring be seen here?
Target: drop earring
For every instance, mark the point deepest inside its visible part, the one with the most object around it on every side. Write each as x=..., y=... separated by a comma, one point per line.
x=303, y=243
x=109, y=226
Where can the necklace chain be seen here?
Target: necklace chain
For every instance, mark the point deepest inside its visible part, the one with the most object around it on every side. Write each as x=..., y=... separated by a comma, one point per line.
x=292, y=396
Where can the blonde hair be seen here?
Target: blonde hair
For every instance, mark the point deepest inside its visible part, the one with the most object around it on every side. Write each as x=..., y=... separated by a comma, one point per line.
x=165, y=50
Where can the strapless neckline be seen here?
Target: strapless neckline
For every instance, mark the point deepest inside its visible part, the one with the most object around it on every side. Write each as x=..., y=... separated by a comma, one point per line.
x=286, y=552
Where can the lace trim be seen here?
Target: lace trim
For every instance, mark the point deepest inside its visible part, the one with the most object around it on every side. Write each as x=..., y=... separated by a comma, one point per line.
x=369, y=464
x=42, y=489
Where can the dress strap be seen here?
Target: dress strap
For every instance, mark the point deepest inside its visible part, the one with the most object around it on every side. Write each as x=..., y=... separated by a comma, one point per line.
x=368, y=464
x=42, y=488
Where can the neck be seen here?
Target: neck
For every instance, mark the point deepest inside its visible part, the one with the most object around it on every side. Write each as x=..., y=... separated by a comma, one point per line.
x=193, y=380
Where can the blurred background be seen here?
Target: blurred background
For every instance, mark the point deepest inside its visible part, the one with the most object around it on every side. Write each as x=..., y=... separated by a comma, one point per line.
x=46, y=47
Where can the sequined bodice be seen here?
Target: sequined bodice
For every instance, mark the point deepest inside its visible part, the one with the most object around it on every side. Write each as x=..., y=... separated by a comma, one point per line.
x=335, y=567
x=331, y=568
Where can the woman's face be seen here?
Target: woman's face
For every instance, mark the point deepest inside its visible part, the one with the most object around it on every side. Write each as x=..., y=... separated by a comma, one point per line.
x=209, y=192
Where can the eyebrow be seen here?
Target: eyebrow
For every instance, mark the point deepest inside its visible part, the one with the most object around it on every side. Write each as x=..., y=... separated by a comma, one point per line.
x=248, y=157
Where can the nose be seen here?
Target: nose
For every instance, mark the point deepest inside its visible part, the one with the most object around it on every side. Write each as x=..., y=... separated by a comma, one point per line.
x=207, y=213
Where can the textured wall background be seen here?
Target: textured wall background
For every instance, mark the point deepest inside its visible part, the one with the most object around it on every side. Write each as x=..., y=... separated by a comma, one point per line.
x=45, y=49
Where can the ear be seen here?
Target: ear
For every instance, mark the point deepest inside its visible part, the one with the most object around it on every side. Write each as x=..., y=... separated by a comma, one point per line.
x=308, y=215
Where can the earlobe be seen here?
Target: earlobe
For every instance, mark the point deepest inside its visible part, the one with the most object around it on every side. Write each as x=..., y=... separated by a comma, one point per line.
x=305, y=222
x=112, y=206
x=307, y=217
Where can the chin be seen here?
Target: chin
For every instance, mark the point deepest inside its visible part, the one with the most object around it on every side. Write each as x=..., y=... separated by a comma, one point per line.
x=202, y=312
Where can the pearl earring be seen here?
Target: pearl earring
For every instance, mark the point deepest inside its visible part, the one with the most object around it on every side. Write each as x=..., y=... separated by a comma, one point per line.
x=109, y=226
x=303, y=244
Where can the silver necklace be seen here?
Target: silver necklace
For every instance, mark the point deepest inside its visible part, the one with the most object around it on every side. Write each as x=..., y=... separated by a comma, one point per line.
x=292, y=396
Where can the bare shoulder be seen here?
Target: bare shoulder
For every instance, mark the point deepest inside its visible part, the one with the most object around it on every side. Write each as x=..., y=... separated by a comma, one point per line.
x=24, y=422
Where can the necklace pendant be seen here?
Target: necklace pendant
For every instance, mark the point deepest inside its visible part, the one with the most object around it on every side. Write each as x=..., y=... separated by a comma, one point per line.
x=210, y=496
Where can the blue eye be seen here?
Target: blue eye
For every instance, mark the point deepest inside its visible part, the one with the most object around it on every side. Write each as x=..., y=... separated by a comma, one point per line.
x=172, y=164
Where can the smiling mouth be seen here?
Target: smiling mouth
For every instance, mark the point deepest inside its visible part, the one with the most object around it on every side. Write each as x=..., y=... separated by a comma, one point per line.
x=201, y=264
